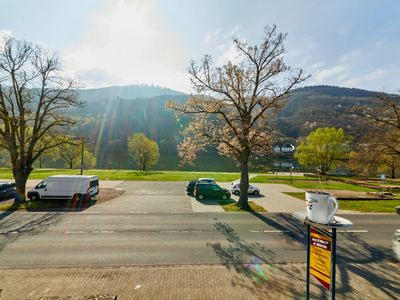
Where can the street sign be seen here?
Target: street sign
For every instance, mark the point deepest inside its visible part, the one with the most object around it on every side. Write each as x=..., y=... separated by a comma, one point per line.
x=320, y=256
x=321, y=251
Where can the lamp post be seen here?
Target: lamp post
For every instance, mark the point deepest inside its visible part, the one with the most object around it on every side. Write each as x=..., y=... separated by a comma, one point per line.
x=82, y=151
x=291, y=179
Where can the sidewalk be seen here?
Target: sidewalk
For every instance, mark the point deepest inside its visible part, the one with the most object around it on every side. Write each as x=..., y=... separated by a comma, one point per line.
x=268, y=281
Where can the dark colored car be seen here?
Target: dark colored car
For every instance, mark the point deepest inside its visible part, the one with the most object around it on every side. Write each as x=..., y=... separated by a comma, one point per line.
x=190, y=187
x=7, y=190
x=191, y=184
x=210, y=190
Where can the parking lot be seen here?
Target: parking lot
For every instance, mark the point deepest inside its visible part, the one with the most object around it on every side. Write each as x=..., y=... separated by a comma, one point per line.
x=170, y=197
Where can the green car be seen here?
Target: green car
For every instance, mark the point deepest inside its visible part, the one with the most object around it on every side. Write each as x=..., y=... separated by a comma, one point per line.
x=204, y=190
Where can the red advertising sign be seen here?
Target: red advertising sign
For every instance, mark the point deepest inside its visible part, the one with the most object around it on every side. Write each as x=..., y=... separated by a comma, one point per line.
x=320, y=257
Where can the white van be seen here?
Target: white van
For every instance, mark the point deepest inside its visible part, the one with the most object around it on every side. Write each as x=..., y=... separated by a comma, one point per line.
x=65, y=187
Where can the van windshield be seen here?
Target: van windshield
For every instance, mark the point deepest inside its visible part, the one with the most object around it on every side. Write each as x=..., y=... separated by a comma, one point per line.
x=42, y=185
x=94, y=183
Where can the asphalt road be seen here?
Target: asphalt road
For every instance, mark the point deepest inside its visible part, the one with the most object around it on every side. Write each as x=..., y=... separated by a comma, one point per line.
x=57, y=239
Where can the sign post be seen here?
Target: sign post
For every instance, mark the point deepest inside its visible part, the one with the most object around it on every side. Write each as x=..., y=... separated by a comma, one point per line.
x=321, y=251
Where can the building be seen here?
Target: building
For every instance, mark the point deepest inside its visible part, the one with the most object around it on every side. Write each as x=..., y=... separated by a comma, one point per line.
x=284, y=148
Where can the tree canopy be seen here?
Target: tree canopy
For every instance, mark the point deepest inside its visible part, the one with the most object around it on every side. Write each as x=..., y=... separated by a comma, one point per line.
x=237, y=101
x=324, y=149
x=33, y=98
x=144, y=151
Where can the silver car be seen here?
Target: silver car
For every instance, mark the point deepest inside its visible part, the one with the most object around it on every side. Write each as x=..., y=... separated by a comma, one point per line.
x=235, y=189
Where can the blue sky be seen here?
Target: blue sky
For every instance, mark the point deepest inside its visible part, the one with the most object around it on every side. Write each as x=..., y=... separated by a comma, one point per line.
x=351, y=43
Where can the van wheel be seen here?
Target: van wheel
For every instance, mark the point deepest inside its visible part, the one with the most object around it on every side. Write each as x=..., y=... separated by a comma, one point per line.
x=76, y=198
x=34, y=197
x=255, y=193
x=200, y=197
x=237, y=193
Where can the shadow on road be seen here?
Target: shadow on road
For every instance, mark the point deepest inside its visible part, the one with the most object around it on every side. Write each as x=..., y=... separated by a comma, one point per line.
x=57, y=205
x=16, y=225
x=355, y=256
x=256, y=270
x=252, y=260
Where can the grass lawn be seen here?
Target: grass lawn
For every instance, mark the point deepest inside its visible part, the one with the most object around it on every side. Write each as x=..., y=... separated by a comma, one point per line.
x=128, y=174
x=302, y=183
x=12, y=207
x=230, y=206
x=385, y=206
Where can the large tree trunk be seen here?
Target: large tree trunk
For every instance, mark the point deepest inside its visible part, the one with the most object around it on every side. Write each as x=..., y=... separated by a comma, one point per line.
x=393, y=172
x=244, y=185
x=21, y=176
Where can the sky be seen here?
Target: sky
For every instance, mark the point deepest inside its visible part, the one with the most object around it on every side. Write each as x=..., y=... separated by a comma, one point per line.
x=350, y=43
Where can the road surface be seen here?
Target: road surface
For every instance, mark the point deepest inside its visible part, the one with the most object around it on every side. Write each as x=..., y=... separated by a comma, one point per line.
x=84, y=239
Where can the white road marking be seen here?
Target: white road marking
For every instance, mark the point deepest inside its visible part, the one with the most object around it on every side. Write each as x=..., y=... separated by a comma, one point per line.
x=354, y=231
x=270, y=231
x=8, y=232
x=93, y=231
x=179, y=231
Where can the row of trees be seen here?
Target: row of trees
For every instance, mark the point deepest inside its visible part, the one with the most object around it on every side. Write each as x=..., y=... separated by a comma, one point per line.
x=35, y=96
x=375, y=150
x=232, y=112
x=144, y=152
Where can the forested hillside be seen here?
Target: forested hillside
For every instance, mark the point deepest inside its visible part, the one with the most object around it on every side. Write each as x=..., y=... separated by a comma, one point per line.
x=111, y=115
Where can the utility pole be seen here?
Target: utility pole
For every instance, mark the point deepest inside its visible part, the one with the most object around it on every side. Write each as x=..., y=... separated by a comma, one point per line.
x=83, y=148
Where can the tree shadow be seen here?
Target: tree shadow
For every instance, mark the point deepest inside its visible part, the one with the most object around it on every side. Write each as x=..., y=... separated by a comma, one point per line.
x=57, y=205
x=252, y=260
x=371, y=262
x=15, y=226
x=354, y=256
x=256, y=269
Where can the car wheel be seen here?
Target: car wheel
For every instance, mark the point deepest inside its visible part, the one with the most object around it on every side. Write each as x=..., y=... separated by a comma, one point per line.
x=256, y=193
x=200, y=197
x=224, y=197
x=237, y=193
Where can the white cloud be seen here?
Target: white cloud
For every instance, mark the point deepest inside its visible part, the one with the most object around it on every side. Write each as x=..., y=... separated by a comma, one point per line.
x=228, y=53
x=3, y=35
x=212, y=36
x=363, y=80
x=323, y=76
x=127, y=43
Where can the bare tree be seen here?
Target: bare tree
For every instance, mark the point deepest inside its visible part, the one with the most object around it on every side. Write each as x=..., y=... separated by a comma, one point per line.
x=382, y=141
x=33, y=99
x=237, y=102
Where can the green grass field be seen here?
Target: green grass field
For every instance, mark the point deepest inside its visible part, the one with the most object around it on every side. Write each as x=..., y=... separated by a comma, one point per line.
x=230, y=206
x=384, y=206
x=302, y=183
x=128, y=175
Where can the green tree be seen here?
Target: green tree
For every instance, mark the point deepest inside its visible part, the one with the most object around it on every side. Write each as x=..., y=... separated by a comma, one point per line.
x=143, y=151
x=324, y=149
x=71, y=155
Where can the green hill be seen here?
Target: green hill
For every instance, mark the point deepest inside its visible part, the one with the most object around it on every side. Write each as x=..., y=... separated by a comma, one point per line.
x=112, y=114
